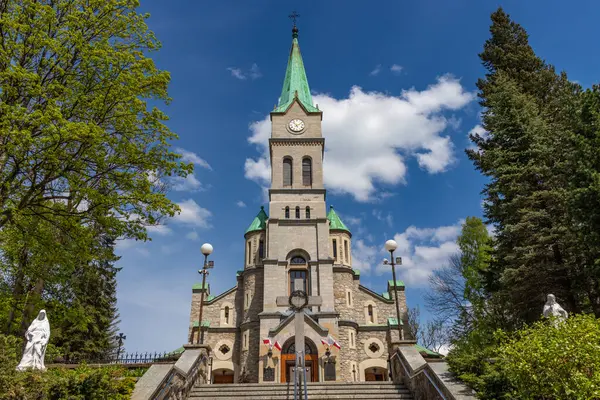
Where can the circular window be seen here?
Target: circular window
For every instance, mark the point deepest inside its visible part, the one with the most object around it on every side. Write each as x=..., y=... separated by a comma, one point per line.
x=223, y=349
x=374, y=348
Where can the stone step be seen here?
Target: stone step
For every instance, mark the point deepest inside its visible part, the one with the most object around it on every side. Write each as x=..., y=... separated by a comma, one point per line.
x=316, y=390
x=290, y=396
x=231, y=388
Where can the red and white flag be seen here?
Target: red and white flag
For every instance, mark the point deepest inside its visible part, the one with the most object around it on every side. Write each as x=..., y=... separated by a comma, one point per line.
x=268, y=342
x=277, y=345
x=334, y=342
x=330, y=341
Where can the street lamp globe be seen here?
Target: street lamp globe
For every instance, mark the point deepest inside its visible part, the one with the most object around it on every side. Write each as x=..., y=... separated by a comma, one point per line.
x=391, y=245
x=206, y=249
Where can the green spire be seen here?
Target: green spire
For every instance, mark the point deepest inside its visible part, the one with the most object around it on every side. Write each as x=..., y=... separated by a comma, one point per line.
x=295, y=82
x=260, y=221
x=335, y=223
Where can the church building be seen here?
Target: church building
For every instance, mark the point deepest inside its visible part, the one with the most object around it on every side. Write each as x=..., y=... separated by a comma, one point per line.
x=298, y=239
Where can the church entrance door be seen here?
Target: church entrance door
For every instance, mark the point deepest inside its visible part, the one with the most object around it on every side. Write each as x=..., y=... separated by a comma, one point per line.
x=288, y=361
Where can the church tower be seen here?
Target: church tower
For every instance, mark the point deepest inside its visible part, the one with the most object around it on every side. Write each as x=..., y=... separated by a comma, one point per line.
x=297, y=240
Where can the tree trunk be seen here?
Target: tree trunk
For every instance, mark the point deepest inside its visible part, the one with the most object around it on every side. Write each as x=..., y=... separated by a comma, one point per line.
x=28, y=310
x=18, y=288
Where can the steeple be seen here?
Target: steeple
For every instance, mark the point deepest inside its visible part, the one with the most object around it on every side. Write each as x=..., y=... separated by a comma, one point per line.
x=260, y=221
x=295, y=83
x=335, y=223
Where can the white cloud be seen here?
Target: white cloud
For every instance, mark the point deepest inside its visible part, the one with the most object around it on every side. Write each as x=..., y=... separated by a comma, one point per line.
x=252, y=73
x=370, y=135
x=477, y=130
x=396, y=69
x=191, y=157
x=376, y=70
x=192, y=214
x=363, y=256
x=385, y=218
x=188, y=184
x=236, y=73
x=161, y=230
x=422, y=250
x=192, y=235
x=240, y=204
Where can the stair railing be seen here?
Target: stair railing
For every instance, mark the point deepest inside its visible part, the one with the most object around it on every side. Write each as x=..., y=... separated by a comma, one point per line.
x=304, y=373
x=296, y=366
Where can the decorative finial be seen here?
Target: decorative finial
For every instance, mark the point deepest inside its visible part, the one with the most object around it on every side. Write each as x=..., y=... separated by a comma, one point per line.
x=331, y=206
x=262, y=207
x=293, y=16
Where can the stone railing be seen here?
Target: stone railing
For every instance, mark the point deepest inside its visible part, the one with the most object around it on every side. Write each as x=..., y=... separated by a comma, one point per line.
x=174, y=381
x=426, y=381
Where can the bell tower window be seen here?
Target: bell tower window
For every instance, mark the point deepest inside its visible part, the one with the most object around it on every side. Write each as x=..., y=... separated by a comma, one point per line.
x=287, y=212
x=307, y=212
x=297, y=212
x=306, y=171
x=287, y=171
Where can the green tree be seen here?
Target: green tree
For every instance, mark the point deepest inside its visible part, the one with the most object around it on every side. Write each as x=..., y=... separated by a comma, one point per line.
x=458, y=297
x=528, y=116
x=83, y=155
x=77, y=132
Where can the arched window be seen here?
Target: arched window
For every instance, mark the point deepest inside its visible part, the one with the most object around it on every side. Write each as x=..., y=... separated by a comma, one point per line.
x=287, y=171
x=370, y=311
x=226, y=315
x=297, y=212
x=287, y=212
x=307, y=212
x=306, y=171
x=297, y=260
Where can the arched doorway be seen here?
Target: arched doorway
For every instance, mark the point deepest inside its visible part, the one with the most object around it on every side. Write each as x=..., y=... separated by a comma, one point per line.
x=288, y=360
x=222, y=375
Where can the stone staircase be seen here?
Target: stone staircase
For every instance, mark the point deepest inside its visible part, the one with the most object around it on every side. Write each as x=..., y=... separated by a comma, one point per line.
x=316, y=391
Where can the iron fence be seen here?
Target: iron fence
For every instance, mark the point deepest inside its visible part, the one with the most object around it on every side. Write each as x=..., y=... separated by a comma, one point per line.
x=123, y=358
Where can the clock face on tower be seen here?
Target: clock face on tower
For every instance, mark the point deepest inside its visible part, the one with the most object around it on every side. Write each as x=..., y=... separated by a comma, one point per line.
x=296, y=125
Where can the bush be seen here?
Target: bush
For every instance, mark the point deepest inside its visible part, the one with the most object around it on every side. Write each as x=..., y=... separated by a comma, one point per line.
x=563, y=362
x=538, y=362
x=82, y=383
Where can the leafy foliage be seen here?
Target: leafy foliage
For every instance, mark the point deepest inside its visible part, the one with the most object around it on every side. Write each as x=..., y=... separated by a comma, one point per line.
x=83, y=161
x=60, y=383
x=540, y=361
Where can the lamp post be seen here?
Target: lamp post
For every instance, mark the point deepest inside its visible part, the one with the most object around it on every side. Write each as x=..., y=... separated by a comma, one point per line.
x=391, y=246
x=206, y=249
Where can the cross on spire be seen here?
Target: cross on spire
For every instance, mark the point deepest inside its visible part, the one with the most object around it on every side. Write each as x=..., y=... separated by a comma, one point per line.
x=293, y=16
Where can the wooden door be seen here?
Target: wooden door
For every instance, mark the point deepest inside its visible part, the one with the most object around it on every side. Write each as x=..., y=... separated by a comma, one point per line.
x=288, y=361
x=223, y=379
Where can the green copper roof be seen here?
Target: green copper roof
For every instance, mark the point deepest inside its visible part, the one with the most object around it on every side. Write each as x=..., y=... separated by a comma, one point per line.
x=394, y=322
x=399, y=283
x=295, y=82
x=335, y=223
x=198, y=286
x=205, y=324
x=386, y=295
x=260, y=221
x=428, y=352
x=356, y=272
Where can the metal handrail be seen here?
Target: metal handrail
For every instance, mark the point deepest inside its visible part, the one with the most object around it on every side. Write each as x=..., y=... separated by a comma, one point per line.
x=304, y=372
x=296, y=377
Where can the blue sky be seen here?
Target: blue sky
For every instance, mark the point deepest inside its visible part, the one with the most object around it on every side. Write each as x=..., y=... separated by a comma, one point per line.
x=396, y=83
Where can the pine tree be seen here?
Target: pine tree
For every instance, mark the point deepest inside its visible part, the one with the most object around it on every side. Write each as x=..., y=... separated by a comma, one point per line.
x=528, y=117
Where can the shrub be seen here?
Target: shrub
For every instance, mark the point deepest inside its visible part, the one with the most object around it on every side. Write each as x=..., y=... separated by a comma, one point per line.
x=81, y=383
x=547, y=362
x=537, y=362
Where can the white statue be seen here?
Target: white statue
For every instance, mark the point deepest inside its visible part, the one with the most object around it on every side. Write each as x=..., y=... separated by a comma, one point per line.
x=37, y=337
x=553, y=309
